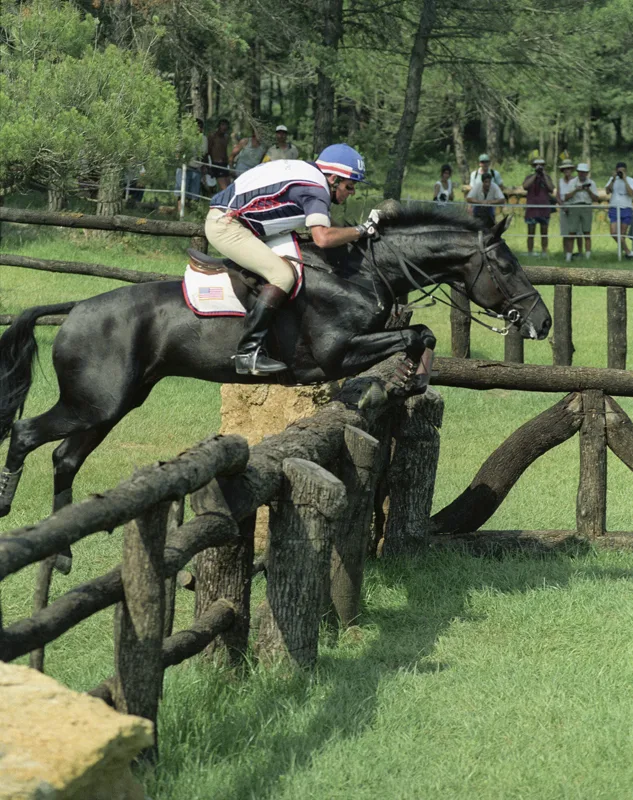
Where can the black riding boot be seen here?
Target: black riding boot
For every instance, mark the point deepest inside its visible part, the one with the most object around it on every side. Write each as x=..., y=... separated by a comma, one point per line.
x=249, y=359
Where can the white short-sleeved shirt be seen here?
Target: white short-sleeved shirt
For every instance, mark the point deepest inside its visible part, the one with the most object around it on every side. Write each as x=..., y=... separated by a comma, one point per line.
x=442, y=190
x=477, y=192
x=475, y=177
x=564, y=187
x=582, y=198
x=619, y=198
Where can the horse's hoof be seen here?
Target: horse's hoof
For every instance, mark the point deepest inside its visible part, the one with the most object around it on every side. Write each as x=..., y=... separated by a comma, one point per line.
x=64, y=562
x=4, y=510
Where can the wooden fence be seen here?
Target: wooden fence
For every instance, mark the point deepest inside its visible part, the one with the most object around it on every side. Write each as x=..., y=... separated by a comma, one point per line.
x=319, y=476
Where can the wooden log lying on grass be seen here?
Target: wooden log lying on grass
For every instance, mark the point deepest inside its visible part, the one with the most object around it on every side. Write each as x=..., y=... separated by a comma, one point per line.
x=80, y=268
x=504, y=467
x=118, y=222
x=150, y=485
x=210, y=530
x=184, y=644
x=472, y=374
x=491, y=542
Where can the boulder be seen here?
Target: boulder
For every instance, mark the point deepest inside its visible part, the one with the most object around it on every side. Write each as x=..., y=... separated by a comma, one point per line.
x=57, y=744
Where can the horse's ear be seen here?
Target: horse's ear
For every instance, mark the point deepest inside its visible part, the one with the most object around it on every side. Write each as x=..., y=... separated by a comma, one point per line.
x=502, y=226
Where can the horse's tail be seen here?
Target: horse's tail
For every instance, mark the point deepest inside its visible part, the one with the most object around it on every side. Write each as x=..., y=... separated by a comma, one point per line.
x=18, y=348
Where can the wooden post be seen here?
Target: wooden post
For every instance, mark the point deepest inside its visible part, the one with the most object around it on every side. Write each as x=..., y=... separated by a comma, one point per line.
x=139, y=620
x=513, y=347
x=616, y=327
x=460, y=325
x=302, y=523
x=591, y=502
x=383, y=431
x=199, y=243
x=358, y=471
x=412, y=472
x=40, y=601
x=225, y=572
x=174, y=521
x=562, y=345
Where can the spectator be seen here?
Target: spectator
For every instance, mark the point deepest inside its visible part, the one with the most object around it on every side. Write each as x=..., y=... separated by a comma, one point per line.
x=484, y=195
x=564, y=188
x=539, y=187
x=282, y=148
x=194, y=169
x=247, y=154
x=484, y=167
x=443, y=189
x=582, y=192
x=218, y=146
x=620, y=191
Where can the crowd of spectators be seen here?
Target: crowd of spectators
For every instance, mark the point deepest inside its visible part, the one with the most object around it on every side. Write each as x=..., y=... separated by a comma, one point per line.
x=216, y=163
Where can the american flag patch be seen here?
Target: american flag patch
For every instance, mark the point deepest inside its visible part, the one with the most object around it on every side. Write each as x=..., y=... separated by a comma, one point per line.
x=211, y=293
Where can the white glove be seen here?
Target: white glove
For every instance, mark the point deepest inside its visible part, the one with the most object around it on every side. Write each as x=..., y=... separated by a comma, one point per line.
x=374, y=216
x=369, y=228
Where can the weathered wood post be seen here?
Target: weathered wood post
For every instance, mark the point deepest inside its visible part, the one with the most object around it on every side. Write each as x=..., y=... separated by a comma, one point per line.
x=616, y=327
x=513, y=346
x=562, y=345
x=40, y=601
x=412, y=471
x=140, y=619
x=591, y=502
x=460, y=325
x=174, y=521
x=302, y=523
x=358, y=470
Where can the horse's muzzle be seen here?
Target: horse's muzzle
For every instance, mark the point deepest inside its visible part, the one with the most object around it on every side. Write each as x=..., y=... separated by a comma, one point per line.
x=536, y=326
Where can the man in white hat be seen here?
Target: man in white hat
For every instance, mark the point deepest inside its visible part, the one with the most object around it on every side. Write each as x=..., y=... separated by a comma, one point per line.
x=282, y=149
x=582, y=192
x=539, y=187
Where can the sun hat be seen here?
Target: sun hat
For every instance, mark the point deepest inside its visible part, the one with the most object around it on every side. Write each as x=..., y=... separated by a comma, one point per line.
x=281, y=128
x=538, y=161
x=566, y=164
x=583, y=167
x=484, y=157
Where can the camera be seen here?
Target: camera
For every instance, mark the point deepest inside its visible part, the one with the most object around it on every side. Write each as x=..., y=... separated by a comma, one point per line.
x=539, y=169
x=442, y=197
x=620, y=174
x=586, y=185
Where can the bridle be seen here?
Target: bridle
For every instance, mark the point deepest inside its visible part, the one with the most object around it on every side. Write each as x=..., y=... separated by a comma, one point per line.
x=509, y=311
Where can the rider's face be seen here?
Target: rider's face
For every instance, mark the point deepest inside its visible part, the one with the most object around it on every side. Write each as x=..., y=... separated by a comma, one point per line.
x=344, y=190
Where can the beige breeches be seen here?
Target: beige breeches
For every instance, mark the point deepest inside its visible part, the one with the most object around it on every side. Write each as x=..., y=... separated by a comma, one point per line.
x=235, y=241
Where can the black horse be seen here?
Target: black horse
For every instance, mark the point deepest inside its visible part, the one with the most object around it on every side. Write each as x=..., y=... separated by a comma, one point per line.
x=115, y=347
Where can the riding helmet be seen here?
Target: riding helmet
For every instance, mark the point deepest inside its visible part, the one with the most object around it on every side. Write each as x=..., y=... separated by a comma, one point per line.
x=342, y=160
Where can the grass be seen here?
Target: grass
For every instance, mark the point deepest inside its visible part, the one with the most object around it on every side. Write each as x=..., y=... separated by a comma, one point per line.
x=466, y=677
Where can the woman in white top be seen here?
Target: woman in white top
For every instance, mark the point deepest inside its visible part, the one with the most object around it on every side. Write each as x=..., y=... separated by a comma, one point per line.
x=620, y=189
x=564, y=188
x=443, y=189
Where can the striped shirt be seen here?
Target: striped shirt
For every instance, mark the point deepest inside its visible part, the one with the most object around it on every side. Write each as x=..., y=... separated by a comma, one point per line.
x=278, y=197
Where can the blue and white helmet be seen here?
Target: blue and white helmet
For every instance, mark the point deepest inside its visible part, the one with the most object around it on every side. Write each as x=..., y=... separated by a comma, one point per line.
x=342, y=160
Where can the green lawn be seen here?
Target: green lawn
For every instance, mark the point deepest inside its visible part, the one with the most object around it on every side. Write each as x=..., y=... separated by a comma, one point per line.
x=466, y=677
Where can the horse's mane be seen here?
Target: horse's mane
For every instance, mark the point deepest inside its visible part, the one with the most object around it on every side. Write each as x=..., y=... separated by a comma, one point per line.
x=429, y=214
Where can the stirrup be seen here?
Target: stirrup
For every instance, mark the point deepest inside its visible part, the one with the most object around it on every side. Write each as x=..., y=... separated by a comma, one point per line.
x=256, y=363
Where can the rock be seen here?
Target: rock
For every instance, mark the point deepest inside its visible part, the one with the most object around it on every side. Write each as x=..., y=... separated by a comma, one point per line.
x=57, y=744
x=260, y=410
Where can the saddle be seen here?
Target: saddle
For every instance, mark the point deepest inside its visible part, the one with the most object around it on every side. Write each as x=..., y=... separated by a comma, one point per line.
x=201, y=262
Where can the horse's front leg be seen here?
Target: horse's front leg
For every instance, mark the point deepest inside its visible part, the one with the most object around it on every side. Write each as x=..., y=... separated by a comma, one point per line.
x=365, y=350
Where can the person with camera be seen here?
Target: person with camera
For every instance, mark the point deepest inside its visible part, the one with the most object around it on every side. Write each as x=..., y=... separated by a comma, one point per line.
x=443, y=189
x=582, y=193
x=539, y=187
x=620, y=191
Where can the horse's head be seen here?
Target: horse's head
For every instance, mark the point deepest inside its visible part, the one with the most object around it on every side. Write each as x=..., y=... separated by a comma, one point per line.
x=496, y=281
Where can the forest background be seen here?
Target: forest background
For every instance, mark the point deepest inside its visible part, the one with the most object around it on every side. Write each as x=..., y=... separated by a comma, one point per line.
x=101, y=89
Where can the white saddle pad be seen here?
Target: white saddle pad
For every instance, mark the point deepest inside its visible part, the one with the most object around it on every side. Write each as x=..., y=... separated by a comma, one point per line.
x=212, y=295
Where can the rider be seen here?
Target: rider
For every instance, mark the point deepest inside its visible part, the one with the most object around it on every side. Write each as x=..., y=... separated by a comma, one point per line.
x=278, y=197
